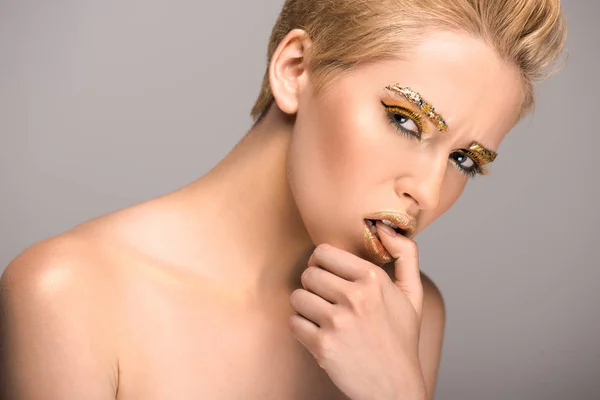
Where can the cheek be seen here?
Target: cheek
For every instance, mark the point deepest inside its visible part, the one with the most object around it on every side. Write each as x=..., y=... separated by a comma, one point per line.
x=329, y=169
x=452, y=187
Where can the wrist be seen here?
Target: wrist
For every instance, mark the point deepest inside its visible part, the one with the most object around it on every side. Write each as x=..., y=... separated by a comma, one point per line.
x=412, y=389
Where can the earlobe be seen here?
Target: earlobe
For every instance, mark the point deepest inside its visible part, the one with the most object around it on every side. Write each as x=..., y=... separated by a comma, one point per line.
x=288, y=70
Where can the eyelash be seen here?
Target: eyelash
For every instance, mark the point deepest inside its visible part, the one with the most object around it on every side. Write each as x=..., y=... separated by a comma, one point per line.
x=476, y=169
x=395, y=111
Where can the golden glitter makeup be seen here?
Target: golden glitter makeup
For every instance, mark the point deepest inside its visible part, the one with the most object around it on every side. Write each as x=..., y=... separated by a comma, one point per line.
x=374, y=247
x=415, y=98
x=417, y=118
x=481, y=154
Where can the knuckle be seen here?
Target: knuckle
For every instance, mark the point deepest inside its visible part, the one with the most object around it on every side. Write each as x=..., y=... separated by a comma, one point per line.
x=307, y=274
x=374, y=274
x=338, y=321
x=356, y=298
x=411, y=247
x=324, y=350
x=322, y=249
x=296, y=296
x=324, y=246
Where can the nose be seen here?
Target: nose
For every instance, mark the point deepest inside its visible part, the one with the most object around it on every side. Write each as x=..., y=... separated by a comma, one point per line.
x=423, y=183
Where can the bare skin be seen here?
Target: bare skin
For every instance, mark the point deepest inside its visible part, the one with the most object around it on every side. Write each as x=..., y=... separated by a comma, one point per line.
x=187, y=296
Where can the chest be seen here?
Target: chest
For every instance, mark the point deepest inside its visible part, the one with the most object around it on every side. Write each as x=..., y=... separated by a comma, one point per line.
x=181, y=348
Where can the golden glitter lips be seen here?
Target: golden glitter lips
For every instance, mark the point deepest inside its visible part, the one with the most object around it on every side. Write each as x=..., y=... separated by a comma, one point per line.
x=401, y=223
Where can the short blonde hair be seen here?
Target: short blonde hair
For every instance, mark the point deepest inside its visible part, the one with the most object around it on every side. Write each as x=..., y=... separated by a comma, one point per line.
x=345, y=33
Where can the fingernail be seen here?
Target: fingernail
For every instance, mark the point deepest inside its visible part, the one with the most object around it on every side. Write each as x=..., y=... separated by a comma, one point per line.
x=385, y=228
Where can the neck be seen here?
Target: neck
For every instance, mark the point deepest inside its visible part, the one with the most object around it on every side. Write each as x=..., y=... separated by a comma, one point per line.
x=246, y=204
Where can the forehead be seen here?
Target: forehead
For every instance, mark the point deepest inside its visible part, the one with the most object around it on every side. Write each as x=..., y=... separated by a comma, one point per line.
x=477, y=94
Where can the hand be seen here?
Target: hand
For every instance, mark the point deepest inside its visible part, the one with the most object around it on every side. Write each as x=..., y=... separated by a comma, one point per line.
x=362, y=327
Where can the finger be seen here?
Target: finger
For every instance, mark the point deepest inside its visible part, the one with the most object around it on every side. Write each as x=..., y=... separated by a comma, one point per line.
x=304, y=330
x=406, y=264
x=311, y=306
x=325, y=284
x=339, y=262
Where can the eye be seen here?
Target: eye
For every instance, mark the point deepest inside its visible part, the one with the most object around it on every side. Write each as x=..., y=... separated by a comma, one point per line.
x=463, y=160
x=404, y=120
x=405, y=123
x=465, y=164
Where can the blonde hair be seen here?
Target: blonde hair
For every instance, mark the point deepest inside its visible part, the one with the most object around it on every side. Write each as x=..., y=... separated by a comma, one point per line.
x=345, y=33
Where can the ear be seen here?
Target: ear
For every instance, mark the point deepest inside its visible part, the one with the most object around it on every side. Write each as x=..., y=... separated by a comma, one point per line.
x=288, y=70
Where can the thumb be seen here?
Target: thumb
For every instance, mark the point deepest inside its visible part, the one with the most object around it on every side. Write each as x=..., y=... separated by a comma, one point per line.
x=406, y=264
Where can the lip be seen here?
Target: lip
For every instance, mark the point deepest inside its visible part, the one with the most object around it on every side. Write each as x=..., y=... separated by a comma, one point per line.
x=374, y=247
x=402, y=221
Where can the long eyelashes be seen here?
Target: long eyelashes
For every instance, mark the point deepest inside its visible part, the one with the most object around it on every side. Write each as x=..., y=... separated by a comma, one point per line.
x=476, y=169
x=399, y=116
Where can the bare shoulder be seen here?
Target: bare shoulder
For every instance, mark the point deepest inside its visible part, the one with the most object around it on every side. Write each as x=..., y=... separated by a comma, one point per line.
x=62, y=267
x=432, y=332
x=56, y=322
x=432, y=296
x=68, y=266
x=84, y=259
x=434, y=313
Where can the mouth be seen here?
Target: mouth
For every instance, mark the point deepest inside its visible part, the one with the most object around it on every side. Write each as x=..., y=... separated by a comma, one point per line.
x=371, y=224
x=373, y=246
x=400, y=223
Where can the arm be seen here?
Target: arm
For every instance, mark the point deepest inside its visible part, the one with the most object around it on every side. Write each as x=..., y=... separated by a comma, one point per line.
x=432, y=333
x=55, y=343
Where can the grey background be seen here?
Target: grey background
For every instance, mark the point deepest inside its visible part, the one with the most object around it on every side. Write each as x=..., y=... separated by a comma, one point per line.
x=104, y=104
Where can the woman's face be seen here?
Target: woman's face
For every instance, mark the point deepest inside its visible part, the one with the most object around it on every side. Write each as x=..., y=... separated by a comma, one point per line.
x=359, y=148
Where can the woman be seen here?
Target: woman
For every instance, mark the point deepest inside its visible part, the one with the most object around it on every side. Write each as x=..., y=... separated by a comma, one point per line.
x=289, y=271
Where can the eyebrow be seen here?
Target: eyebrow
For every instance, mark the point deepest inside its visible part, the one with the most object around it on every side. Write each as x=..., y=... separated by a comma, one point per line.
x=481, y=154
x=415, y=98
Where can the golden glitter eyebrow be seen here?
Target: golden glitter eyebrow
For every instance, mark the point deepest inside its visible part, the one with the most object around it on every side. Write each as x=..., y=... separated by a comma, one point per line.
x=481, y=154
x=415, y=98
